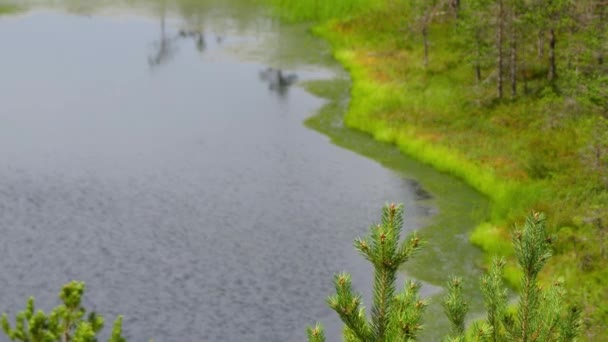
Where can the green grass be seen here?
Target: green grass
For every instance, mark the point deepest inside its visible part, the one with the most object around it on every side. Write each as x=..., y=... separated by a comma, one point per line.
x=452, y=198
x=525, y=154
x=309, y=10
x=8, y=9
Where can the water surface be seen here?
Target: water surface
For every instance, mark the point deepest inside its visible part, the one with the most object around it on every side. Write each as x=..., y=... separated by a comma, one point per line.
x=145, y=150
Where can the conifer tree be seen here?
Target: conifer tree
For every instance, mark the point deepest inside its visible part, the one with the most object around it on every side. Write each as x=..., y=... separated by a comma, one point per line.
x=394, y=316
x=539, y=315
x=65, y=323
x=475, y=25
x=500, y=40
x=425, y=12
x=555, y=14
x=456, y=309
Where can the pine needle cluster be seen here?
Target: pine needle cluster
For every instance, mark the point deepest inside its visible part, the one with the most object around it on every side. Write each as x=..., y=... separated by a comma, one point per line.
x=65, y=323
x=539, y=315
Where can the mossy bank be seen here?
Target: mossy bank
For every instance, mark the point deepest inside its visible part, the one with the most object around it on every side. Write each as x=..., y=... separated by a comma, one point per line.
x=528, y=153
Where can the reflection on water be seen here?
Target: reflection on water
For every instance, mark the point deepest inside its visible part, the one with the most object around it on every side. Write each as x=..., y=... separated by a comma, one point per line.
x=166, y=45
x=198, y=37
x=277, y=80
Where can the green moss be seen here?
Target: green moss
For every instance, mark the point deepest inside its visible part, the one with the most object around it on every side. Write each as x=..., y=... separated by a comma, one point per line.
x=492, y=239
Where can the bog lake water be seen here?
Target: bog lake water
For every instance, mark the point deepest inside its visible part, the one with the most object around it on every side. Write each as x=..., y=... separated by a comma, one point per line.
x=153, y=150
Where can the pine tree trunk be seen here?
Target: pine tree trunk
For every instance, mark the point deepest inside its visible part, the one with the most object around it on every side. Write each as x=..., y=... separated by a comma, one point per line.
x=552, y=68
x=540, y=44
x=598, y=157
x=455, y=4
x=382, y=302
x=478, y=59
x=602, y=237
x=425, y=38
x=499, y=48
x=524, y=68
x=601, y=28
x=513, y=48
x=513, y=62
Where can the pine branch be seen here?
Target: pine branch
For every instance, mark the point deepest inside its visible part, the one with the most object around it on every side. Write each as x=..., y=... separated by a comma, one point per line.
x=532, y=249
x=455, y=307
x=65, y=323
x=405, y=322
x=495, y=298
x=315, y=334
x=397, y=317
x=382, y=248
x=346, y=304
x=482, y=332
x=570, y=328
x=385, y=241
x=550, y=312
x=117, y=331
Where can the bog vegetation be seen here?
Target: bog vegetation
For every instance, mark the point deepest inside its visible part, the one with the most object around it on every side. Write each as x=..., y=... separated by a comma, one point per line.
x=510, y=95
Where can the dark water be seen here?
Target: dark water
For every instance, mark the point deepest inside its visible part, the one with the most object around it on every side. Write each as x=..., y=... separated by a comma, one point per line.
x=148, y=151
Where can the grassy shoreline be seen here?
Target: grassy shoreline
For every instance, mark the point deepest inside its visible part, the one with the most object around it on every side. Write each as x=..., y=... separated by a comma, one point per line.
x=365, y=94
x=513, y=151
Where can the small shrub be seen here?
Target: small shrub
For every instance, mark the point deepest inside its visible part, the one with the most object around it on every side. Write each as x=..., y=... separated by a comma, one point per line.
x=540, y=315
x=65, y=323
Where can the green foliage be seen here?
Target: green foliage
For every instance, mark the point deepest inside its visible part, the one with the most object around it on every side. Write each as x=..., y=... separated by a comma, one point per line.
x=541, y=149
x=308, y=10
x=315, y=334
x=8, y=9
x=477, y=32
x=492, y=238
x=117, y=331
x=495, y=298
x=456, y=309
x=394, y=316
x=539, y=316
x=64, y=323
